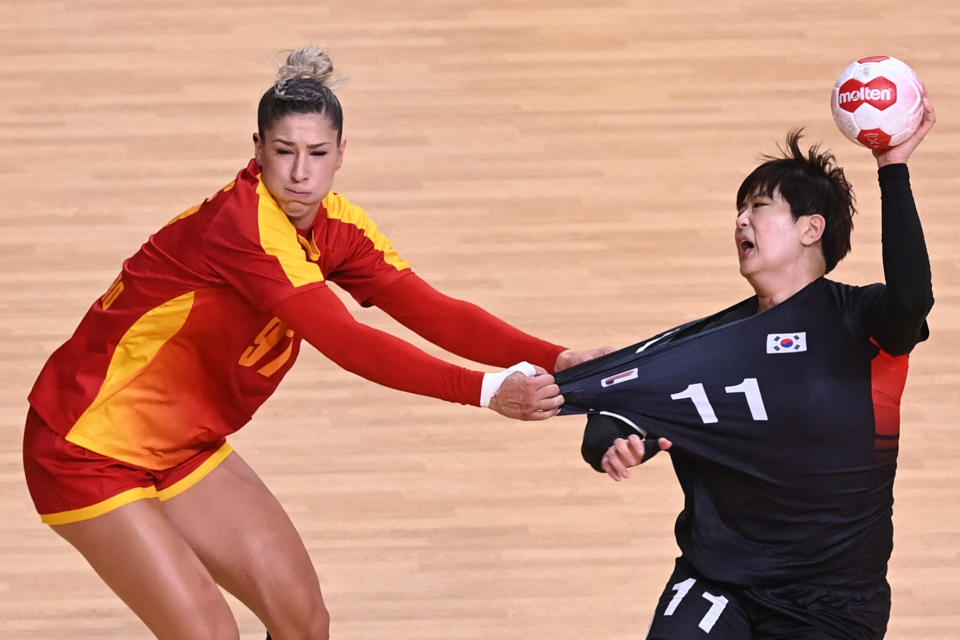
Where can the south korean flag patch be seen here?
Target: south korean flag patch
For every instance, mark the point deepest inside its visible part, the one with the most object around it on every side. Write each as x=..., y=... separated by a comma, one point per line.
x=793, y=342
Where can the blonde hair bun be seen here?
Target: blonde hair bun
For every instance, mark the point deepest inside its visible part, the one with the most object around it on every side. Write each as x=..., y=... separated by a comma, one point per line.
x=308, y=62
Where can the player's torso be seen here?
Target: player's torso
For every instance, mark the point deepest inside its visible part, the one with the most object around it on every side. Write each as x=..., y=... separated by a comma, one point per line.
x=785, y=429
x=182, y=348
x=792, y=480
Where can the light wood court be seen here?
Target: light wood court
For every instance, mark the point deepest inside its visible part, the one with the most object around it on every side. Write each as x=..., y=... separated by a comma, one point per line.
x=569, y=165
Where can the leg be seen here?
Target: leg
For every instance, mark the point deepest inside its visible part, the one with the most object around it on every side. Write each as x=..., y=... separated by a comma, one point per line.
x=138, y=552
x=692, y=607
x=250, y=546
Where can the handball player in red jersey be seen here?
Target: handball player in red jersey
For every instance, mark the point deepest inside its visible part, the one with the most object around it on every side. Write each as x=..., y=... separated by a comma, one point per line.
x=124, y=449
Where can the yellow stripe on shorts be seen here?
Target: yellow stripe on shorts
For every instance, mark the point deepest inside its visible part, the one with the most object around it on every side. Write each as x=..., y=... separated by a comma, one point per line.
x=100, y=508
x=197, y=474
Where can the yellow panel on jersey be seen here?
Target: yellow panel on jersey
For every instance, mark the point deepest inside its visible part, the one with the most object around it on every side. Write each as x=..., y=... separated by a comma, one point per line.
x=97, y=427
x=153, y=376
x=278, y=237
x=339, y=208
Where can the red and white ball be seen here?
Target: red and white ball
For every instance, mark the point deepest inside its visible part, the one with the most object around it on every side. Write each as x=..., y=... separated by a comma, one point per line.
x=877, y=102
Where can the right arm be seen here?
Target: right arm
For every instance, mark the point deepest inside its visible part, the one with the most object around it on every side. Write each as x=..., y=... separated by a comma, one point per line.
x=319, y=316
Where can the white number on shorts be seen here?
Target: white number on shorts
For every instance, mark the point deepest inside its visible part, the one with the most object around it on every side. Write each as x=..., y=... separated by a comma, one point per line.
x=681, y=589
x=748, y=387
x=717, y=603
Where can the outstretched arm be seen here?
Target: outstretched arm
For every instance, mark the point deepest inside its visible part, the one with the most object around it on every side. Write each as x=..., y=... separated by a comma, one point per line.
x=467, y=330
x=319, y=316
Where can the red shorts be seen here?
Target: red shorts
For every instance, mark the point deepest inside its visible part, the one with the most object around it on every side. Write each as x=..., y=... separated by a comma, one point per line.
x=69, y=483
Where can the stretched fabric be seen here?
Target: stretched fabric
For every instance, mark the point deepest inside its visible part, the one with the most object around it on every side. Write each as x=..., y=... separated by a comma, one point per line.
x=785, y=427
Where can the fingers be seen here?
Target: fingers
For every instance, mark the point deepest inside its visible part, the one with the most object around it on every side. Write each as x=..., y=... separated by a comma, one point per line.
x=901, y=152
x=527, y=397
x=928, y=120
x=929, y=115
x=570, y=358
x=545, y=400
x=623, y=453
x=628, y=452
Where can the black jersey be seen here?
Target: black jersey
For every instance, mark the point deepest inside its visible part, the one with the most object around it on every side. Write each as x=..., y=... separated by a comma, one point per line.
x=785, y=424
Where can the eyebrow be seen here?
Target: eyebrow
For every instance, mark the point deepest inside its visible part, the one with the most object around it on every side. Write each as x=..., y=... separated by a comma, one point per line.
x=309, y=146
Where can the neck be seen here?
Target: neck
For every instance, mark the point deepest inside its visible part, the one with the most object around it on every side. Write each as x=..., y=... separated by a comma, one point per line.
x=302, y=219
x=770, y=294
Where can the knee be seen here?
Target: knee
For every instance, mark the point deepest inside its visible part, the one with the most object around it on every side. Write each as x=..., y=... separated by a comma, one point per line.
x=300, y=619
x=202, y=623
x=318, y=625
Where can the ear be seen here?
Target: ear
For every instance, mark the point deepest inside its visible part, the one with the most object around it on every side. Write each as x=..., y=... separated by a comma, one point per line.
x=257, y=148
x=815, y=225
x=341, y=150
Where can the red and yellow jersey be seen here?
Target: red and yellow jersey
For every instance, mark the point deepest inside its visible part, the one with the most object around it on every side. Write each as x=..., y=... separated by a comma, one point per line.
x=183, y=347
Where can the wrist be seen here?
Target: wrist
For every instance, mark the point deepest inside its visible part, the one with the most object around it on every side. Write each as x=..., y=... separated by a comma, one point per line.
x=492, y=381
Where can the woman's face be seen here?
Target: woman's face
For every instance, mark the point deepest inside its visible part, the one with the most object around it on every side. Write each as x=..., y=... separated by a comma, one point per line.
x=299, y=155
x=769, y=240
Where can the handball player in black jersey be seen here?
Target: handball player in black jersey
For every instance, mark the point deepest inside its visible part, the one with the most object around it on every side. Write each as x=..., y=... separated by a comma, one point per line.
x=781, y=412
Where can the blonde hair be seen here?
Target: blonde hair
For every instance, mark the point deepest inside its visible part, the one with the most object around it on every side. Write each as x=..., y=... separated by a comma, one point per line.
x=311, y=62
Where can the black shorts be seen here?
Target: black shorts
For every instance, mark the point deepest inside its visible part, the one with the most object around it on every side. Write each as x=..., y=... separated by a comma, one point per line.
x=693, y=608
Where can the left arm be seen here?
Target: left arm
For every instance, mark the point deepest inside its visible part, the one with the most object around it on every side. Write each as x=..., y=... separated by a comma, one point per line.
x=461, y=327
x=611, y=447
x=898, y=317
x=322, y=320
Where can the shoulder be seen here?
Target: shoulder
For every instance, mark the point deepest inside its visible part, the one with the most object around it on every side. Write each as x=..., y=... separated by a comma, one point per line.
x=353, y=220
x=338, y=207
x=848, y=295
x=245, y=215
x=855, y=305
x=239, y=196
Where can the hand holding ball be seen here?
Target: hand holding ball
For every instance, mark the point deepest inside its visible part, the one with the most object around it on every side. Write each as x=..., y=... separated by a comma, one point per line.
x=877, y=102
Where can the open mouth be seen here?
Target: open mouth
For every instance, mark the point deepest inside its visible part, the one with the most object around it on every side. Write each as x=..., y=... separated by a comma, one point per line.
x=744, y=246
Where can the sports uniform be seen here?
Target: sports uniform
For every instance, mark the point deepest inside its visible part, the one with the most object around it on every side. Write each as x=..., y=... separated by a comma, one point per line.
x=205, y=320
x=785, y=427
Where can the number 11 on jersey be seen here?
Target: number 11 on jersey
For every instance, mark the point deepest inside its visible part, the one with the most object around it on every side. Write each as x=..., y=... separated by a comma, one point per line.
x=748, y=387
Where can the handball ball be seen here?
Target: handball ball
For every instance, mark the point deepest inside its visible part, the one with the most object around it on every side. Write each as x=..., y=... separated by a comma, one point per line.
x=877, y=102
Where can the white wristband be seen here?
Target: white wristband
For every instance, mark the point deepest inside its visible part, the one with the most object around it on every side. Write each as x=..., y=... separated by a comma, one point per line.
x=492, y=381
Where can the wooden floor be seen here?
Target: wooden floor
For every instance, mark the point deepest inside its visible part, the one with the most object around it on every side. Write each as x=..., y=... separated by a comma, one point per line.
x=569, y=165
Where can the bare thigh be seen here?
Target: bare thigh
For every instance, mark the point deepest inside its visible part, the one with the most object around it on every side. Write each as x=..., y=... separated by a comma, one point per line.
x=243, y=536
x=145, y=559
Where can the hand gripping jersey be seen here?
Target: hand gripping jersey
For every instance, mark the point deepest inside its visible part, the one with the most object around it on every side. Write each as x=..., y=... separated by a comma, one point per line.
x=785, y=427
x=183, y=347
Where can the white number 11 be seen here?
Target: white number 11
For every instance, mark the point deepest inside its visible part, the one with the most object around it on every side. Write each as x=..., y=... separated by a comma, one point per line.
x=717, y=603
x=748, y=387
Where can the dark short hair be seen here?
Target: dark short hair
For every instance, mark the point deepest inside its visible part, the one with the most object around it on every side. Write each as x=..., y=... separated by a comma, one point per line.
x=810, y=184
x=299, y=95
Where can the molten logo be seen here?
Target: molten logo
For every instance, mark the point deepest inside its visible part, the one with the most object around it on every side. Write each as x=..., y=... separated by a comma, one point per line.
x=880, y=93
